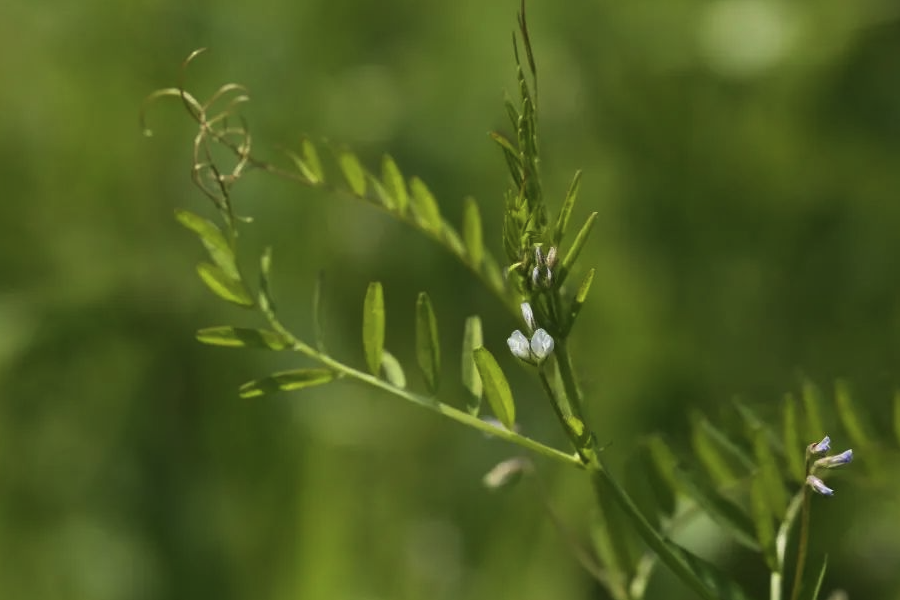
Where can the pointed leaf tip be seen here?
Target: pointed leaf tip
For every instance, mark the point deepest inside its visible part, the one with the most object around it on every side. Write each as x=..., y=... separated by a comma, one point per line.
x=224, y=286
x=220, y=251
x=353, y=172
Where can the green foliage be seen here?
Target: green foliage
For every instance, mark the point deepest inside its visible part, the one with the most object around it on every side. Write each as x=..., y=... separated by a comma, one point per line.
x=373, y=327
x=472, y=339
x=428, y=349
x=742, y=486
x=496, y=388
x=286, y=381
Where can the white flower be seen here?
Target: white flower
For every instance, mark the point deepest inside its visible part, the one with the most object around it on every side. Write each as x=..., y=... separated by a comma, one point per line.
x=518, y=345
x=541, y=344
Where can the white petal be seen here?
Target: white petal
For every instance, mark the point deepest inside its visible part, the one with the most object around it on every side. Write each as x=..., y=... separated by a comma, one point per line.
x=528, y=315
x=518, y=345
x=541, y=344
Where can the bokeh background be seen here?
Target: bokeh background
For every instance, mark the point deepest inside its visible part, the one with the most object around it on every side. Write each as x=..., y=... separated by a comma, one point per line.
x=744, y=158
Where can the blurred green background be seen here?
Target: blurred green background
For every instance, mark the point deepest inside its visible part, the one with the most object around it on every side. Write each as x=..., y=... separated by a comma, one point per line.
x=744, y=158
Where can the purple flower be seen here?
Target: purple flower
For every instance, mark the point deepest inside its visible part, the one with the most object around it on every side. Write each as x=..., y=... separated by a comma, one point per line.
x=830, y=462
x=819, y=486
x=822, y=447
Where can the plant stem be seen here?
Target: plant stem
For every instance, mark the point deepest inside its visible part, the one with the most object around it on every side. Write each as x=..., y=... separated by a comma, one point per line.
x=803, y=542
x=426, y=402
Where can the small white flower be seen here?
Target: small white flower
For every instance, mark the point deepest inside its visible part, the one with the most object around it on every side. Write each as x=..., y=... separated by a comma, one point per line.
x=528, y=315
x=518, y=345
x=541, y=344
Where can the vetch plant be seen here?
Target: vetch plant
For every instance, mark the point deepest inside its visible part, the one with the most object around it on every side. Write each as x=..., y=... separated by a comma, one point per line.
x=750, y=479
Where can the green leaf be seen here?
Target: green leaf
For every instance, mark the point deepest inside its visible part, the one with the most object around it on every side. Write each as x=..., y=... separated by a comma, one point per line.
x=427, y=345
x=381, y=193
x=393, y=372
x=224, y=286
x=452, y=240
x=373, y=327
x=793, y=447
x=242, y=337
x=311, y=166
x=472, y=235
x=764, y=520
x=812, y=406
x=286, y=381
x=425, y=207
x=266, y=304
x=394, y=183
x=720, y=509
x=722, y=457
x=511, y=155
x=471, y=379
x=577, y=245
x=353, y=172
x=580, y=298
x=769, y=473
x=496, y=388
x=565, y=213
x=850, y=416
x=721, y=584
x=211, y=236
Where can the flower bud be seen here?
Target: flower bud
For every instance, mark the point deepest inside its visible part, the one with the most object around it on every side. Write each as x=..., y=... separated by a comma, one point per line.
x=830, y=462
x=528, y=315
x=518, y=345
x=541, y=344
x=821, y=447
x=819, y=486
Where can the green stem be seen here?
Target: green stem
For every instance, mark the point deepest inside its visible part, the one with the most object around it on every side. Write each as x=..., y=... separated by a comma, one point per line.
x=426, y=402
x=781, y=542
x=802, y=543
x=603, y=483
